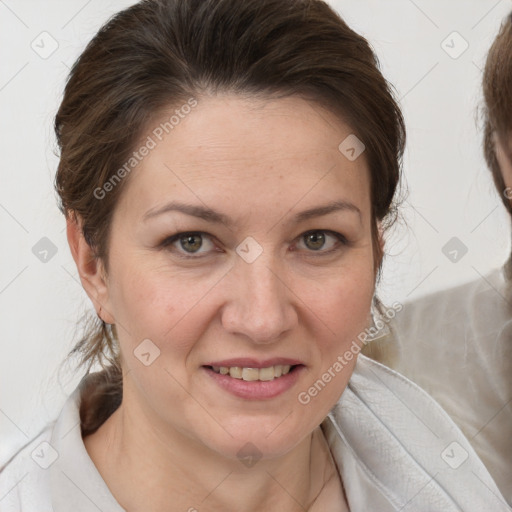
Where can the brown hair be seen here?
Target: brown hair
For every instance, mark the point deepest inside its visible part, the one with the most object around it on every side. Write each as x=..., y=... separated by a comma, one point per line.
x=497, y=108
x=159, y=53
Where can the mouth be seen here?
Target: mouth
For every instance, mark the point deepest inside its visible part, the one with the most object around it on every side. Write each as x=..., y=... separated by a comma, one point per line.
x=254, y=380
x=249, y=374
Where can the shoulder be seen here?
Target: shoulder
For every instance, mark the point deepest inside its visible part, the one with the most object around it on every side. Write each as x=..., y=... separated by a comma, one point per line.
x=24, y=479
x=54, y=471
x=471, y=313
x=393, y=444
x=466, y=328
x=489, y=291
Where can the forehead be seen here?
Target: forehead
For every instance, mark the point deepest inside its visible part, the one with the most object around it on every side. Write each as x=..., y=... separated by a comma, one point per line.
x=255, y=131
x=253, y=150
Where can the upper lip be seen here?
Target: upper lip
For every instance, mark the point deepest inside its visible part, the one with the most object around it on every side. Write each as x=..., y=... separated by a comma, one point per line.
x=247, y=362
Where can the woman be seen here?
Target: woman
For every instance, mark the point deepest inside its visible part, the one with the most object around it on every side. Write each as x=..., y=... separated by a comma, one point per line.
x=466, y=331
x=227, y=169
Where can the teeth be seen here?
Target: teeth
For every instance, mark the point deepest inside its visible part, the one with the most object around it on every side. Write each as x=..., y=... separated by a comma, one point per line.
x=267, y=373
x=235, y=372
x=253, y=374
x=250, y=374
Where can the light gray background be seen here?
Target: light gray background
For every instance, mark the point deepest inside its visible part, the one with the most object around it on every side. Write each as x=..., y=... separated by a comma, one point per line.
x=450, y=190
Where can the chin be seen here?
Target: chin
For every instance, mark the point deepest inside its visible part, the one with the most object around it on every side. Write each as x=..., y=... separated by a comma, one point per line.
x=252, y=438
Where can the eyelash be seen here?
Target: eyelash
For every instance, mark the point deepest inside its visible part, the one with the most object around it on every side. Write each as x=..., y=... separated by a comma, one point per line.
x=341, y=239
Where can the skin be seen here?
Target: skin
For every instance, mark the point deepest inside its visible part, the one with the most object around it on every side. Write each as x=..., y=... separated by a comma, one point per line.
x=173, y=442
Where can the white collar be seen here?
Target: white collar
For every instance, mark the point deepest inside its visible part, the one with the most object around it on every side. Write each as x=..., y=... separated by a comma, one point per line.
x=75, y=481
x=398, y=450
x=389, y=439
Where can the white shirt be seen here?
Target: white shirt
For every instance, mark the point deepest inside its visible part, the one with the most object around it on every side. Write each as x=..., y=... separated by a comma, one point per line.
x=457, y=345
x=394, y=447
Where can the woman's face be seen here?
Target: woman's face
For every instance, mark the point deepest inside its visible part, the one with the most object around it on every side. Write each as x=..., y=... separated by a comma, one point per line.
x=248, y=289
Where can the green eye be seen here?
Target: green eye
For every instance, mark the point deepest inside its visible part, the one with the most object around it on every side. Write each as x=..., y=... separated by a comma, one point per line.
x=187, y=245
x=316, y=240
x=192, y=240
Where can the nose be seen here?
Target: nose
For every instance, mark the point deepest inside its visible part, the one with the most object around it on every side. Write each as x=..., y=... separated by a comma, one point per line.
x=259, y=303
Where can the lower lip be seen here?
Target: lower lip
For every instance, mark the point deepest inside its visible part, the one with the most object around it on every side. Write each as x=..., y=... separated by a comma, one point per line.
x=258, y=389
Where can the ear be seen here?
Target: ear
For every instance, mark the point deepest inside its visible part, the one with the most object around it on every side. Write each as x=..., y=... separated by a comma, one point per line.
x=90, y=268
x=503, y=157
x=378, y=250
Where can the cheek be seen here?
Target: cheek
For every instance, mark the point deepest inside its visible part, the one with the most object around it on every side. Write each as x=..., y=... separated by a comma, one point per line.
x=345, y=310
x=343, y=314
x=344, y=307
x=153, y=304
x=156, y=335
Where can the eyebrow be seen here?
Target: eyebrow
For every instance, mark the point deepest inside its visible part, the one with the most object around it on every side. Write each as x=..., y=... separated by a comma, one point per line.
x=209, y=215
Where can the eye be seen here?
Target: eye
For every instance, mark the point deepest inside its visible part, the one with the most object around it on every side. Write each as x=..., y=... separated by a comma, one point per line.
x=315, y=241
x=189, y=243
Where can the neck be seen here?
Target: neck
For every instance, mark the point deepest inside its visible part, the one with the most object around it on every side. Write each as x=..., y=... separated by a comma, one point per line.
x=147, y=469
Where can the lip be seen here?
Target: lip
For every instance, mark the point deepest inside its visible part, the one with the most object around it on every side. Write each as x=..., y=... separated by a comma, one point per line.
x=247, y=362
x=255, y=390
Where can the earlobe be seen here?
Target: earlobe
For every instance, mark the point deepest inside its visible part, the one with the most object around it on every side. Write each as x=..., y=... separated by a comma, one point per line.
x=90, y=268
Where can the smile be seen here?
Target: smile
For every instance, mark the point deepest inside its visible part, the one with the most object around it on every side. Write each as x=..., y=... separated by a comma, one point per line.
x=255, y=380
x=253, y=374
